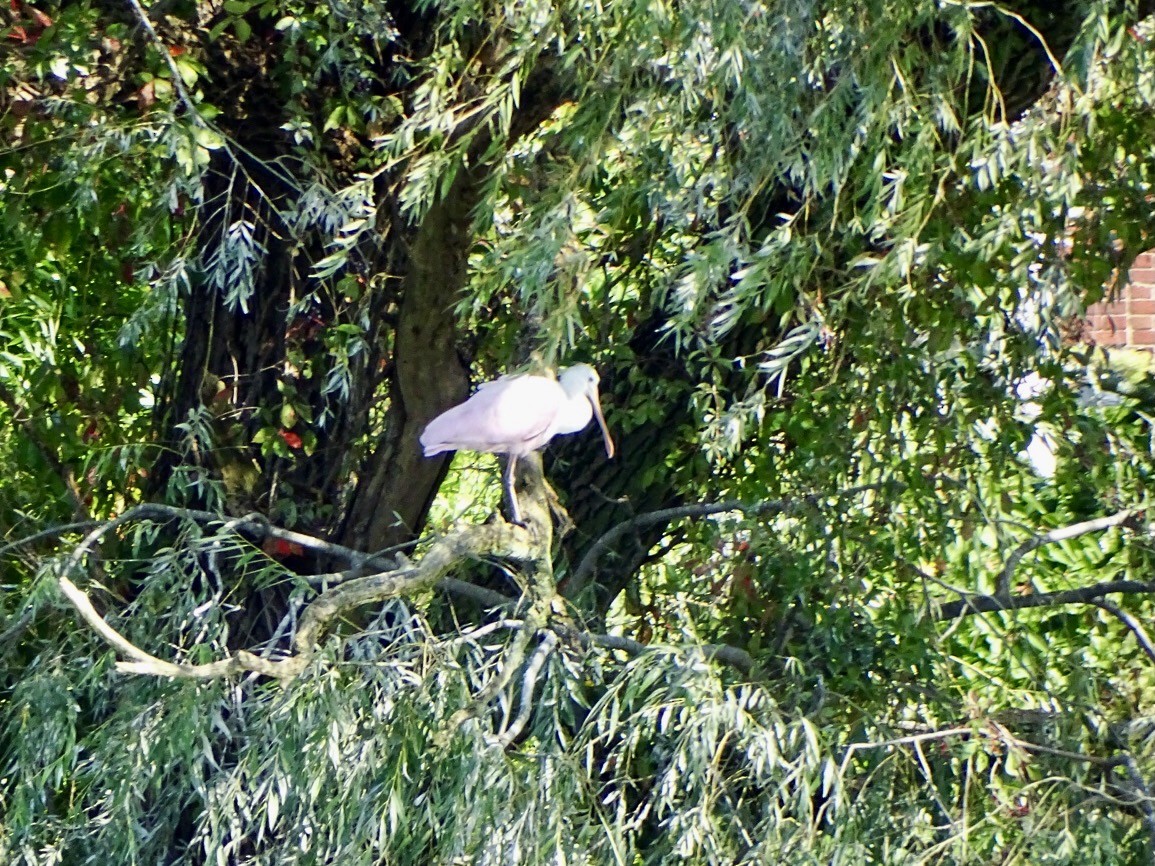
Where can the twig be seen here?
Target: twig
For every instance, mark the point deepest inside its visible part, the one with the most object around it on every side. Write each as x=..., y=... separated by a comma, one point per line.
x=481, y=631
x=1130, y=622
x=730, y=655
x=79, y=510
x=174, y=70
x=50, y=532
x=1003, y=589
x=910, y=740
x=973, y=604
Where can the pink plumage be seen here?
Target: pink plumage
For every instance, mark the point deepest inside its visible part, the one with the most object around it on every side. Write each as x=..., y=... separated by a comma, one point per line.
x=513, y=415
x=518, y=414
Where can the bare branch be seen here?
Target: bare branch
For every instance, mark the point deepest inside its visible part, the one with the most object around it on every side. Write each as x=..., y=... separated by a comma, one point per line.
x=528, y=685
x=973, y=604
x=585, y=569
x=730, y=655
x=1003, y=589
x=1131, y=623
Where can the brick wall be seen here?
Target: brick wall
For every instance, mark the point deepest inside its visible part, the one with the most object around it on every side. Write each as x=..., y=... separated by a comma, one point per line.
x=1129, y=320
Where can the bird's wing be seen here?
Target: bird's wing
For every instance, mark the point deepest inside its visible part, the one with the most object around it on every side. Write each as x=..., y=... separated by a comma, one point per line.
x=508, y=415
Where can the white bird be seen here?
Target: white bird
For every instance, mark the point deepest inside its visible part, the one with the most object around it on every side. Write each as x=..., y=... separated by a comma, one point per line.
x=517, y=415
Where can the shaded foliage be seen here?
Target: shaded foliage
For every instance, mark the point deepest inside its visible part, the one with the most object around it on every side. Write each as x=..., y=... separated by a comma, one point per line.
x=823, y=254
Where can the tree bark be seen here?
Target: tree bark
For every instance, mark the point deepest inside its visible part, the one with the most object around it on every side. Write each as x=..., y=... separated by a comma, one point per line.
x=398, y=482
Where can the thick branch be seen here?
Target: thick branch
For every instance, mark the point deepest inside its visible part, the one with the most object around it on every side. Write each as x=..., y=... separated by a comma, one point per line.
x=499, y=539
x=259, y=527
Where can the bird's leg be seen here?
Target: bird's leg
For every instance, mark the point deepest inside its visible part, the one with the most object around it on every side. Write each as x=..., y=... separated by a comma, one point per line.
x=510, y=493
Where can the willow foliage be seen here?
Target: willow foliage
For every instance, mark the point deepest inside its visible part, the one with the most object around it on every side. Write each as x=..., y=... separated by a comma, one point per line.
x=826, y=257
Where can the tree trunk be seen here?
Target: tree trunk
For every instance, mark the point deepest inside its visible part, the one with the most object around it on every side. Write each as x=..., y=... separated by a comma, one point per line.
x=398, y=483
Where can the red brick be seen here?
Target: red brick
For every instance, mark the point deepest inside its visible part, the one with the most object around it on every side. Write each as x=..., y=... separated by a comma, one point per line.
x=1145, y=337
x=1144, y=306
x=1141, y=323
x=1144, y=276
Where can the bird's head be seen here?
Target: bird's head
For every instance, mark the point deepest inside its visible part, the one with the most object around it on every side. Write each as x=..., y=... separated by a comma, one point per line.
x=583, y=379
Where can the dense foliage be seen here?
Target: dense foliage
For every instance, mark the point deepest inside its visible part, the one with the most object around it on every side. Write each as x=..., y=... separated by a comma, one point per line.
x=821, y=608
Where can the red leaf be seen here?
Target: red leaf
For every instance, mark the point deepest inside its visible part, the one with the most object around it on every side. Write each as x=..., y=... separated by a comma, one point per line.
x=176, y=50
x=290, y=438
x=279, y=548
x=39, y=17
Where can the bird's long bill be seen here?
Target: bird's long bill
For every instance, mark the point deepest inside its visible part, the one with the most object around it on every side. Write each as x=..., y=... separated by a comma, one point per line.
x=592, y=394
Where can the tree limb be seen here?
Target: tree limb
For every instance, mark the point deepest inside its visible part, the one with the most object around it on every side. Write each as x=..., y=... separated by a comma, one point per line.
x=496, y=539
x=973, y=604
x=585, y=569
x=261, y=528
